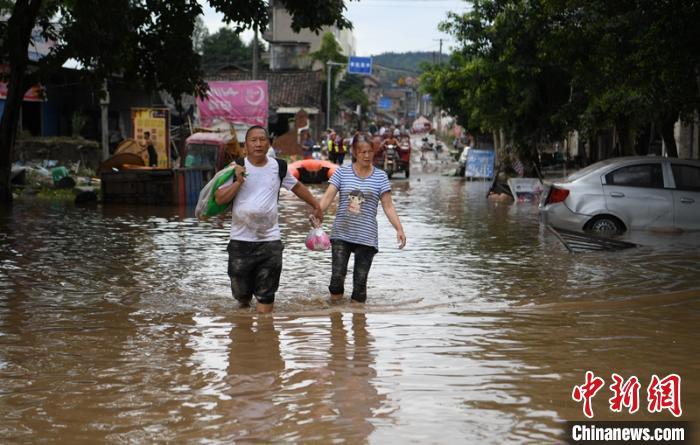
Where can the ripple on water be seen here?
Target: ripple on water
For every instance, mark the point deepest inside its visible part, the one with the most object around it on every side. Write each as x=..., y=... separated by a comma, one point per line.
x=117, y=325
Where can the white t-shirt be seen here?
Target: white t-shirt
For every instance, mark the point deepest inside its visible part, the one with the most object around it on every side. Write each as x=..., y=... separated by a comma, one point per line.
x=254, y=212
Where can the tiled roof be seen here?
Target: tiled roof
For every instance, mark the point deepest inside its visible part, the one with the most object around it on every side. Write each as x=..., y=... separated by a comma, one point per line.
x=287, y=89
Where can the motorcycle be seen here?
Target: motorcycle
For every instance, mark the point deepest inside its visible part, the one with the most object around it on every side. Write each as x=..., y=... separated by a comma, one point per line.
x=404, y=157
x=429, y=147
x=389, y=160
x=385, y=159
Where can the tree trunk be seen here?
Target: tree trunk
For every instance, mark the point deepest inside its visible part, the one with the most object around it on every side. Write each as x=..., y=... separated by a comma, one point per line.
x=667, y=126
x=644, y=140
x=625, y=138
x=16, y=45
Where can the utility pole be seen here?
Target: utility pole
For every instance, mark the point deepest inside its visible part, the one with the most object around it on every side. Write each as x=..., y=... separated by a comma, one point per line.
x=255, y=52
x=328, y=96
x=104, y=111
x=329, y=80
x=439, y=110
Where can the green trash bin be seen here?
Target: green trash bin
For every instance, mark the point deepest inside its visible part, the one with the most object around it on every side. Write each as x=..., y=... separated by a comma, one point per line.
x=58, y=173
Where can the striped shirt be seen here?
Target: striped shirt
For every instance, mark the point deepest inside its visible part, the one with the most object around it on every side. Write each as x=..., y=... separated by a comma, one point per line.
x=356, y=219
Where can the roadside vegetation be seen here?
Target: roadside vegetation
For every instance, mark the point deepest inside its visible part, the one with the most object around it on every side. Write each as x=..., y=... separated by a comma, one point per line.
x=536, y=70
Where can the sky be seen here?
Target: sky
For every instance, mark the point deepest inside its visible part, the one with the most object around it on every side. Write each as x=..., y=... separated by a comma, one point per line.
x=387, y=25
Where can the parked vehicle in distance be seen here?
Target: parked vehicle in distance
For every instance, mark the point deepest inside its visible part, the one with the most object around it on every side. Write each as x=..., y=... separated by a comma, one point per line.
x=386, y=159
x=629, y=193
x=394, y=159
x=208, y=150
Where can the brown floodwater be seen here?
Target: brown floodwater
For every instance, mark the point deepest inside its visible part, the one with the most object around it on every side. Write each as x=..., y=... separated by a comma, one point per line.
x=117, y=326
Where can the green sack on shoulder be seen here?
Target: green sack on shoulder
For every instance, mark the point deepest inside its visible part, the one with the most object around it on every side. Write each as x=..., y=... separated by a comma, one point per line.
x=206, y=204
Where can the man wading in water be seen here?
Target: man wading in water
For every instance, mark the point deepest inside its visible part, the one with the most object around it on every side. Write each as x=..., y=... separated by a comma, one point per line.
x=255, y=247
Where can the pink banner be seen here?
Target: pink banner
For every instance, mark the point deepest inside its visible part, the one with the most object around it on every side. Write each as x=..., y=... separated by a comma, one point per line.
x=231, y=102
x=33, y=94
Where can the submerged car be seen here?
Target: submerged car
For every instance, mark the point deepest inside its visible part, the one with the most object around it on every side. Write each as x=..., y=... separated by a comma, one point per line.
x=629, y=193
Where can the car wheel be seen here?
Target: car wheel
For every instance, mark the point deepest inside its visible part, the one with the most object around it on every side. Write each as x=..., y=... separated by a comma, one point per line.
x=408, y=173
x=605, y=225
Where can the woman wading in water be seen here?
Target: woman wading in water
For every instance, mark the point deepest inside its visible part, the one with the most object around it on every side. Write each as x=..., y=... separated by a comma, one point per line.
x=361, y=187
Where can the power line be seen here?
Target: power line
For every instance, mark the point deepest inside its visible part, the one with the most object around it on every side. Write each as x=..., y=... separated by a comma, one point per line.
x=398, y=70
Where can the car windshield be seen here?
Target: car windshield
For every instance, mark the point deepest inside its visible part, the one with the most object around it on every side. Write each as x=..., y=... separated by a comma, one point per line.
x=201, y=155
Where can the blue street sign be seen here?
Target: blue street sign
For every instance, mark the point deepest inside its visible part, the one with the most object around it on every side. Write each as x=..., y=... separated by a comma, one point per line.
x=360, y=65
x=480, y=163
x=385, y=103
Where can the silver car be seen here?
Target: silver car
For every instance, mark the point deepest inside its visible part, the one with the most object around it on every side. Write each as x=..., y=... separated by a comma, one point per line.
x=630, y=193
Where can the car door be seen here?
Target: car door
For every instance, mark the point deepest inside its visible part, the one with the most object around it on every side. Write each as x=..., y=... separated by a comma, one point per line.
x=686, y=196
x=636, y=194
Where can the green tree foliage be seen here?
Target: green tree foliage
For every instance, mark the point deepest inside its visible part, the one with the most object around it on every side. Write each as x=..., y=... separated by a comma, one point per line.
x=225, y=47
x=498, y=79
x=147, y=43
x=351, y=93
x=329, y=51
x=538, y=68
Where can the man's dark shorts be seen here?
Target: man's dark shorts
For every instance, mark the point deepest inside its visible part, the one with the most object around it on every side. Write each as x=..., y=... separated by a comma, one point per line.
x=254, y=268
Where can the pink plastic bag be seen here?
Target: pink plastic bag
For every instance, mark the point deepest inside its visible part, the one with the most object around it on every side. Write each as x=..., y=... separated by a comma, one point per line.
x=318, y=240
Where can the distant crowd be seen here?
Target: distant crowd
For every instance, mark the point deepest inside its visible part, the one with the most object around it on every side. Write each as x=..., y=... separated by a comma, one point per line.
x=335, y=144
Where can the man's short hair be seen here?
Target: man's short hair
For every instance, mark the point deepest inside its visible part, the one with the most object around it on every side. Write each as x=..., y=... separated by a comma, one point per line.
x=255, y=127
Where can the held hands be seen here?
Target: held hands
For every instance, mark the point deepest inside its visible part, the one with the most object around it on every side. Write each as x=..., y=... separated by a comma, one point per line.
x=316, y=217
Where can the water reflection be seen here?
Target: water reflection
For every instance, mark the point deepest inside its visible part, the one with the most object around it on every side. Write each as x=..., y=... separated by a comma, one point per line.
x=117, y=325
x=355, y=399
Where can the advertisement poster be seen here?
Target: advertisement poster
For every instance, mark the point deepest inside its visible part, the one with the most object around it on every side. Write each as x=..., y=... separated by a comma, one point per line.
x=525, y=189
x=156, y=121
x=235, y=102
x=480, y=163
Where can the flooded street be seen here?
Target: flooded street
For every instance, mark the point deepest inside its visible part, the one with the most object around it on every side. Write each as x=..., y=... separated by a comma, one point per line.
x=117, y=326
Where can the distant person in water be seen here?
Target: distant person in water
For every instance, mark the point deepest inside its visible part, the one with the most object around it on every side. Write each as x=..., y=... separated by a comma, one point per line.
x=361, y=187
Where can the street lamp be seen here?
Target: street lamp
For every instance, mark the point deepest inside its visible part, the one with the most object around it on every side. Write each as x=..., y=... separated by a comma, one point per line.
x=329, y=64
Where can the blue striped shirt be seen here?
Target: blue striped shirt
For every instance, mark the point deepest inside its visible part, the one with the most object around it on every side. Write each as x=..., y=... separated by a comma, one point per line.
x=356, y=219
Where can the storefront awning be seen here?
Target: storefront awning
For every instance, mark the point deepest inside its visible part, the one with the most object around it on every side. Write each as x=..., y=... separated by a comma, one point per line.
x=295, y=110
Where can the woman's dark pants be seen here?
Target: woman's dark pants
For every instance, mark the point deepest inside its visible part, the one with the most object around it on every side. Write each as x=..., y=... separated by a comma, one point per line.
x=341, y=251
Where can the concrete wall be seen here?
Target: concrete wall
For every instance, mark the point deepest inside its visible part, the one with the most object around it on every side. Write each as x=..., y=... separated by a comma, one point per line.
x=66, y=151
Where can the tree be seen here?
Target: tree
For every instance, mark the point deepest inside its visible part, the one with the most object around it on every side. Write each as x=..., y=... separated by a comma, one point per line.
x=351, y=93
x=637, y=65
x=224, y=47
x=330, y=51
x=498, y=79
x=538, y=68
x=147, y=43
